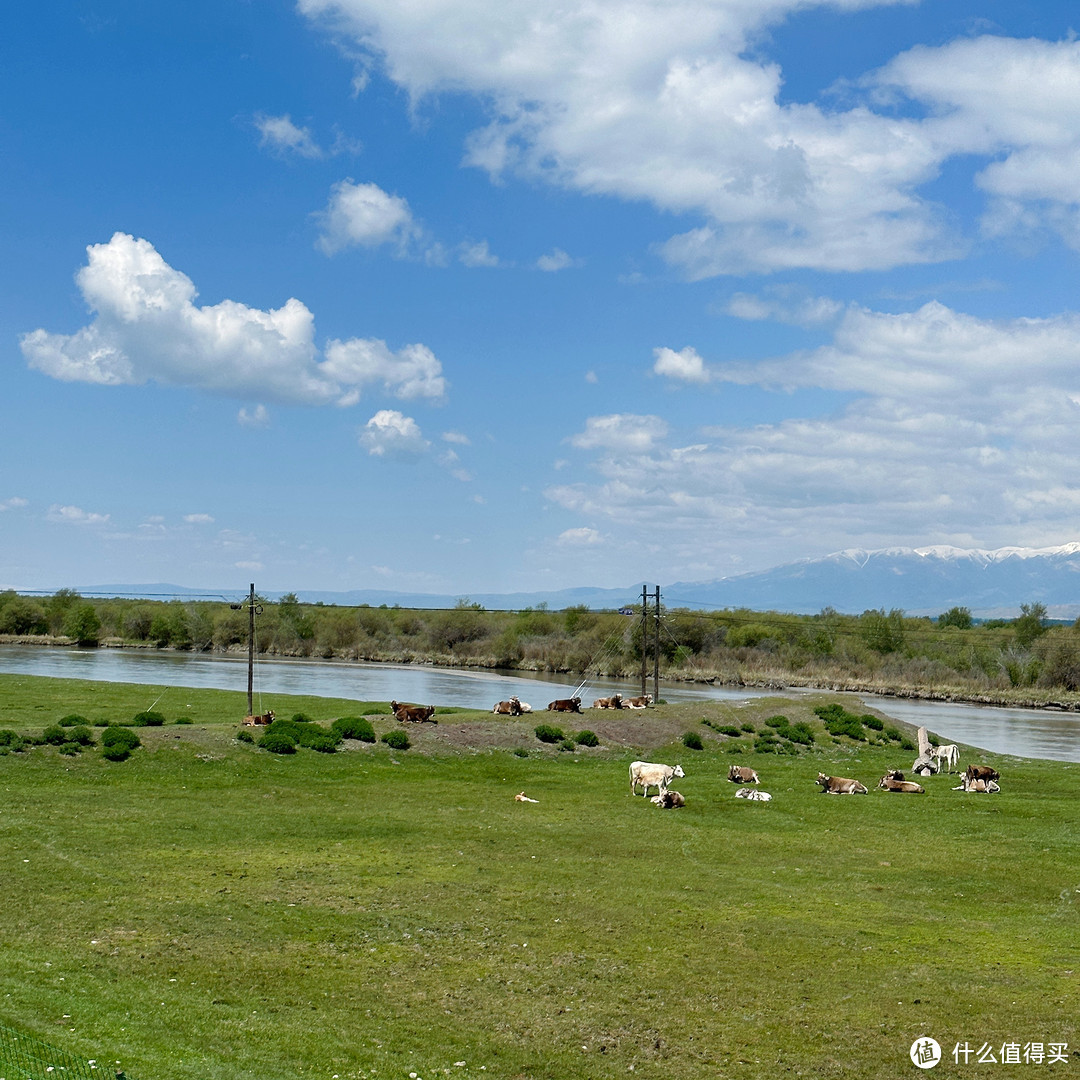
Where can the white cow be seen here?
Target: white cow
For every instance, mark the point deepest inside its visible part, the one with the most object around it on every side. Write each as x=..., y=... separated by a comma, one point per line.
x=649, y=774
x=752, y=795
x=949, y=753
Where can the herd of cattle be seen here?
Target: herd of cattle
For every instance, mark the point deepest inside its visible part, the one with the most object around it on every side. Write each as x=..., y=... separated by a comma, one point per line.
x=646, y=774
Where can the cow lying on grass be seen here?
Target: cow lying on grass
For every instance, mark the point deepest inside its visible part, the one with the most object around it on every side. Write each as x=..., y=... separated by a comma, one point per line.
x=262, y=719
x=742, y=774
x=613, y=702
x=839, y=785
x=668, y=800
x=417, y=714
x=565, y=705
x=894, y=780
x=642, y=702
x=508, y=708
x=650, y=774
x=753, y=795
x=988, y=787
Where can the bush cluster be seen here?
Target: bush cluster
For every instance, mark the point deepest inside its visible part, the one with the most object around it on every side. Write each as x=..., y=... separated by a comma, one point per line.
x=396, y=739
x=838, y=721
x=354, y=727
x=549, y=733
x=118, y=742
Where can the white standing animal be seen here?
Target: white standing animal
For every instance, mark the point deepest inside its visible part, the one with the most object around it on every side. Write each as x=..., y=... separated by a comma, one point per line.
x=650, y=774
x=949, y=753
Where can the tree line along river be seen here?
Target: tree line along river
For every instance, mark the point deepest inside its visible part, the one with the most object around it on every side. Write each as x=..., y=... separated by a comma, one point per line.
x=1039, y=733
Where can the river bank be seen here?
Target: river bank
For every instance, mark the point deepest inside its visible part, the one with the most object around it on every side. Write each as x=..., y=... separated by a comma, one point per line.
x=751, y=674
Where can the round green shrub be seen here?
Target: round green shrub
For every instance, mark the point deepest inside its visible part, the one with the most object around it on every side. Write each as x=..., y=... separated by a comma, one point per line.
x=54, y=735
x=549, y=733
x=81, y=735
x=183, y=720
x=116, y=753
x=71, y=749
x=277, y=742
x=9, y=737
x=115, y=736
x=72, y=719
x=586, y=738
x=245, y=736
x=748, y=728
x=874, y=723
x=147, y=718
x=520, y=751
x=568, y=744
x=730, y=729
x=325, y=742
x=301, y=718
x=354, y=727
x=692, y=741
x=894, y=734
x=396, y=739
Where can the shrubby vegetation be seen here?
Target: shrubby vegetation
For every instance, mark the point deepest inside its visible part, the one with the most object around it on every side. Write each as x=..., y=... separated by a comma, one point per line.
x=1018, y=659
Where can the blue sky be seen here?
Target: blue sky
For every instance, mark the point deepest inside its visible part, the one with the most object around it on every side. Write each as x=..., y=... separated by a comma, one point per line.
x=482, y=296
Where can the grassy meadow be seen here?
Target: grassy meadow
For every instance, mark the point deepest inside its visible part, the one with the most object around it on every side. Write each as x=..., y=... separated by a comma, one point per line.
x=208, y=909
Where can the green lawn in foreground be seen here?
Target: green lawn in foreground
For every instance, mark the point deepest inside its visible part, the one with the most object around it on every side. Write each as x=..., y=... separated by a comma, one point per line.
x=207, y=909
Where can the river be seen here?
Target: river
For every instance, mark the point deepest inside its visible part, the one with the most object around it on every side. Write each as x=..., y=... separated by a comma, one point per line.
x=1041, y=733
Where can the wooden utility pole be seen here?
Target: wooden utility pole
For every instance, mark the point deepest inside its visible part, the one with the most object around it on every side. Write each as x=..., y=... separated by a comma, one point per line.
x=251, y=646
x=644, y=639
x=656, y=651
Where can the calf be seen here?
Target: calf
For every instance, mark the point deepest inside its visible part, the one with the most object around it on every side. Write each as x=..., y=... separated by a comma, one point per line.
x=742, y=774
x=668, y=800
x=752, y=795
x=614, y=702
x=257, y=721
x=650, y=775
x=989, y=787
x=508, y=708
x=417, y=714
x=839, y=785
x=642, y=702
x=565, y=705
x=894, y=780
x=949, y=753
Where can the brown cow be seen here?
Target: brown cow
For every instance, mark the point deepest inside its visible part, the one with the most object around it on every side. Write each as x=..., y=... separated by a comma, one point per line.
x=565, y=705
x=982, y=772
x=742, y=774
x=415, y=713
x=839, y=785
x=668, y=800
x=614, y=702
x=894, y=780
x=642, y=702
x=508, y=708
x=258, y=721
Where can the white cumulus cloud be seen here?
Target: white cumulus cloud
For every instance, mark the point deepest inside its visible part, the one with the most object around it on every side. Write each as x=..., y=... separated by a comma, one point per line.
x=684, y=365
x=147, y=326
x=75, y=515
x=363, y=215
x=677, y=103
x=390, y=434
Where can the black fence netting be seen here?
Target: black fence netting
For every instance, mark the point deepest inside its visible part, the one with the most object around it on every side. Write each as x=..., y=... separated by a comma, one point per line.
x=26, y=1057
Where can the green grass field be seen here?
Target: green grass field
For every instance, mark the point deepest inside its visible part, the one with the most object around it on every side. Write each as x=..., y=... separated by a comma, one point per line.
x=207, y=909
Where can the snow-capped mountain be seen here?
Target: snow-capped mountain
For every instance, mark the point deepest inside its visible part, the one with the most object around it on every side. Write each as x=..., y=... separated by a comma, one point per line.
x=920, y=581
x=926, y=581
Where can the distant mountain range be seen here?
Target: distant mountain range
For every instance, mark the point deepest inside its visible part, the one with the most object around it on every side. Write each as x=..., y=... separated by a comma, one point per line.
x=920, y=581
